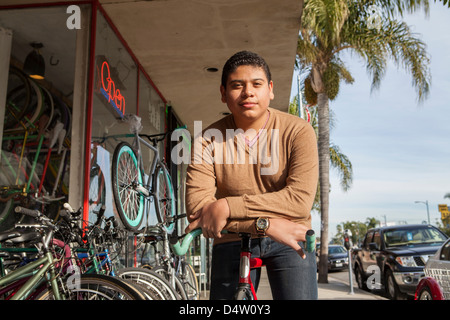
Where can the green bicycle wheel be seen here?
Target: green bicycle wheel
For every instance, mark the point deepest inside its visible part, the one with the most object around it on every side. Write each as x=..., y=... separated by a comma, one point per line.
x=126, y=177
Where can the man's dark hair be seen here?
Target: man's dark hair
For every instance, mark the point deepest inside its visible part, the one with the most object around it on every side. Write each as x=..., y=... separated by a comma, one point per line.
x=244, y=58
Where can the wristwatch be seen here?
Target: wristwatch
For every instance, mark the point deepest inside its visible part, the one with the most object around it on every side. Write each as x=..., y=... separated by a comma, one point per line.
x=262, y=224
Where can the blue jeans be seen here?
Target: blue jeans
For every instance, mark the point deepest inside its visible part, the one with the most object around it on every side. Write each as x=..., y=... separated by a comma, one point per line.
x=290, y=276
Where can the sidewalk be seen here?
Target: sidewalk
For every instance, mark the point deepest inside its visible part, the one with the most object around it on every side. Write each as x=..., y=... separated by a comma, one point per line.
x=335, y=289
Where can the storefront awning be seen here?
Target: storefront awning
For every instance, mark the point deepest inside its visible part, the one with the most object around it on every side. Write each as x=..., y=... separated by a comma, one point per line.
x=179, y=42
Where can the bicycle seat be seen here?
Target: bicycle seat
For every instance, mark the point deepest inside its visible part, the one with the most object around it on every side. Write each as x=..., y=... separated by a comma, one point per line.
x=5, y=235
x=153, y=234
x=18, y=236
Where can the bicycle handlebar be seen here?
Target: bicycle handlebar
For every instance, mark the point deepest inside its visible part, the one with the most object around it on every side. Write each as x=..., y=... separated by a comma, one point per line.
x=180, y=249
x=28, y=212
x=155, y=138
x=46, y=222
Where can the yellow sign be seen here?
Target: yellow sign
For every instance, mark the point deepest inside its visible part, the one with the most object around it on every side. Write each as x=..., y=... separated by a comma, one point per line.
x=443, y=209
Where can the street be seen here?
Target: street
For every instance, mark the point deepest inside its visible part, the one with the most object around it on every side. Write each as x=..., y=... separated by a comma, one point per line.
x=342, y=276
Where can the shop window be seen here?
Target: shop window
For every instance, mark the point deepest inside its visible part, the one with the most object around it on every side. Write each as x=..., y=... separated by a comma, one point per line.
x=115, y=94
x=118, y=83
x=36, y=119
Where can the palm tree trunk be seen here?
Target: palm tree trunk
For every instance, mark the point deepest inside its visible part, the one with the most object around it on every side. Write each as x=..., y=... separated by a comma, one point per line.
x=324, y=181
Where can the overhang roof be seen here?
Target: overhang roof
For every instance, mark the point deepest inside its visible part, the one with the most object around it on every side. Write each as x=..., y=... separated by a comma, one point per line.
x=176, y=41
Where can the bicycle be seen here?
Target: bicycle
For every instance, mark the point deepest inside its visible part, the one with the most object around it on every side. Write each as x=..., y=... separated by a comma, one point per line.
x=98, y=243
x=174, y=268
x=245, y=289
x=130, y=188
x=41, y=280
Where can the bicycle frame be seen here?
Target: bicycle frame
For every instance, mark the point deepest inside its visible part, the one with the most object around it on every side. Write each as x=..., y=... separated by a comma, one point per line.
x=38, y=271
x=137, y=140
x=246, y=263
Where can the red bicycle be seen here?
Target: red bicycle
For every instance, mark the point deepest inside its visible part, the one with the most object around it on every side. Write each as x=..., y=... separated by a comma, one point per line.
x=245, y=289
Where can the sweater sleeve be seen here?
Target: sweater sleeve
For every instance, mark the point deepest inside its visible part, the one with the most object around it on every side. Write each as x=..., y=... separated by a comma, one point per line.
x=295, y=200
x=200, y=179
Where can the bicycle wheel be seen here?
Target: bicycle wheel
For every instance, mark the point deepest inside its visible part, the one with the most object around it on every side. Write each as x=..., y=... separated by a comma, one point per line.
x=150, y=280
x=164, y=197
x=35, y=106
x=179, y=287
x=98, y=287
x=49, y=107
x=190, y=281
x=126, y=176
x=146, y=293
x=97, y=189
x=18, y=97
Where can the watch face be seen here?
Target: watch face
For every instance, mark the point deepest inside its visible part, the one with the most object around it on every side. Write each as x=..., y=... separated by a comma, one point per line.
x=262, y=223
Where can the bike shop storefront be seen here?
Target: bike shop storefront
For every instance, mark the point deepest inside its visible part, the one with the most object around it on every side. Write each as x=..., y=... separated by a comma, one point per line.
x=60, y=148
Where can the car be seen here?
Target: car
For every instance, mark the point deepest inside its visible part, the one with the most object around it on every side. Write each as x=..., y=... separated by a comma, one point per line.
x=394, y=257
x=436, y=283
x=337, y=257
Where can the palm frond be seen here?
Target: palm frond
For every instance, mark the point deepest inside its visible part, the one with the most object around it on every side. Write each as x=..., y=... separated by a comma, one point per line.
x=325, y=19
x=393, y=41
x=344, y=167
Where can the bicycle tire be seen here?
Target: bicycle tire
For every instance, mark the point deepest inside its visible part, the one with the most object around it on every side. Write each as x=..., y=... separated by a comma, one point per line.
x=179, y=287
x=125, y=177
x=151, y=280
x=7, y=220
x=146, y=293
x=50, y=107
x=190, y=281
x=164, y=197
x=18, y=97
x=98, y=287
x=36, y=106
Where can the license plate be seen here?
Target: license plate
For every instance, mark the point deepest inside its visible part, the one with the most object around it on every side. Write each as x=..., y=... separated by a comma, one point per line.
x=338, y=264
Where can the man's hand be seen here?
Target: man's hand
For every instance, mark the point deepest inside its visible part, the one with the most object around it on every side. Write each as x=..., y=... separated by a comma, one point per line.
x=288, y=233
x=212, y=218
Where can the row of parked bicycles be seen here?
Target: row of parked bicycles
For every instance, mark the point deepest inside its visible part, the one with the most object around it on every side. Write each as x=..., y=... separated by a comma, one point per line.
x=41, y=259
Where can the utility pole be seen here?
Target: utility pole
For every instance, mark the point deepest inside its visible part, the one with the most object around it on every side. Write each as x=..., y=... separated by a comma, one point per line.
x=428, y=210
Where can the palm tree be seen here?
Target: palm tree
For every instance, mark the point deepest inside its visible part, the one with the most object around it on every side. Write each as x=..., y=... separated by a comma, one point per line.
x=332, y=26
x=372, y=222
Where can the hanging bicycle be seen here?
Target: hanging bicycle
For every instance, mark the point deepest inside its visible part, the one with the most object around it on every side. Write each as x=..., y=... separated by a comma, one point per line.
x=132, y=187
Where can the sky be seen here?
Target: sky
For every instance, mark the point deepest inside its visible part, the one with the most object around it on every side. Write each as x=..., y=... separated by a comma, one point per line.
x=399, y=149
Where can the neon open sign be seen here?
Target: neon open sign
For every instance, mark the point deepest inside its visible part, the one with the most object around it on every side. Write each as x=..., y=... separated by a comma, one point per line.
x=109, y=90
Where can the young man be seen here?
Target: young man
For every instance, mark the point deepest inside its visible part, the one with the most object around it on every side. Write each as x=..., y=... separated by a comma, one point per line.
x=255, y=171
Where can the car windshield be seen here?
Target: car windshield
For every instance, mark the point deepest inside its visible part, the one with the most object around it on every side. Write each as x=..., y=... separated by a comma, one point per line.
x=413, y=236
x=333, y=250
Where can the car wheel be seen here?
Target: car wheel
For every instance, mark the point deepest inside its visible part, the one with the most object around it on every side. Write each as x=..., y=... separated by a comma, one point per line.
x=425, y=294
x=392, y=290
x=360, y=279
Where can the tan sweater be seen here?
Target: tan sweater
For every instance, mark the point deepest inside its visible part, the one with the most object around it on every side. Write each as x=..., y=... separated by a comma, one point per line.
x=276, y=177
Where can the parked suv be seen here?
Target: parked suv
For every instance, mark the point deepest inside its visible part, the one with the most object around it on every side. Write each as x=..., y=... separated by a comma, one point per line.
x=394, y=257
